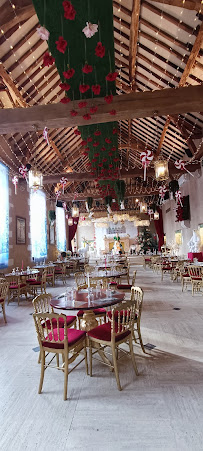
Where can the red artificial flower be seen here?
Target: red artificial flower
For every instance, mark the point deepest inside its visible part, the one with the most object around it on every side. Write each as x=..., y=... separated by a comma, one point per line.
x=100, y=50
x=97, y=133
x=104, y=160
x=87, y=69
x=74, y=113
x=96, y=89
x=96, y=155
x=100, y=165
x=93, y=109
x=61, y=44
x=92, y=173
x=65, y=100
x=88, y=164
x=64, y=86
x=85, y=154
x=94, y=160
x=112, y=112
x=69, y=11
x=108, y=140
x=87, y=117
x=82, y=104
x=108, y=99
x=113, y=148
x=83, y=142
x=48, y=59
x=111, y=76
x=116, y=159
x=77, y=132
x=89, y=139
x=96, y=144
x=115, y=131
x=83, y=88
x=69, y=73
x=103, y=148
x=87, y=149
x=94, y=169
x=110, y=154
x=110, y=165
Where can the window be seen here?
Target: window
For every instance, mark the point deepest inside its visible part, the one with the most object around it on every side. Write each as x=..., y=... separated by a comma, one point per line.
x=60, y=229
x=4, y=217
x=38, y=224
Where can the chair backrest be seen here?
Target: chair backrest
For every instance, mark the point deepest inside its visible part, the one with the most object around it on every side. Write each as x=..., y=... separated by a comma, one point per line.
x=44, y=276
x=2, y=279
x=80, y=279
x=134, y=277
x=88, y=268
x=195, y=271
x=47, y=327
x=50, y=269
x=137, y=297
x=122, y=318
x=3, y=289
x=13, y=279
x=41, y=303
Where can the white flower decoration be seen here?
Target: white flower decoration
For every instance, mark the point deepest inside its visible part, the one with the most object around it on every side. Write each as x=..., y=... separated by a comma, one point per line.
x=43, y=33
x=90, y=29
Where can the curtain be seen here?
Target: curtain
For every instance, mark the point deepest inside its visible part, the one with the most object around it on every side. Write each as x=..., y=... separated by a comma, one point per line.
x=4, y=218
x=38, y=224
x=60, y=229
x=159, y=228
x=72, y=231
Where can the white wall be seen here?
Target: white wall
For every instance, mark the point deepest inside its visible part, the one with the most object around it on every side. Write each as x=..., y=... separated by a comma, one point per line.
x=193, y=187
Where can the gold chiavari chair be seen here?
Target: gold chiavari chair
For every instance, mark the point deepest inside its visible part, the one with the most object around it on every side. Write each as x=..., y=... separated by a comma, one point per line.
x=117, y=331
x=16, y=288
x=127, y=286
x=196, y=277
x=58, y=341
x=184, y=277
x=80, y=280
x=89, y=269
x=51, y=275
x=137, y=295
x=39, y=284
x=60, y=272
x=3, y=293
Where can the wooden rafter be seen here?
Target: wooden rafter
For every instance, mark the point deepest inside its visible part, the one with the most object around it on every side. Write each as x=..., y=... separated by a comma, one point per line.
x=127, y=106
x=187, y=4
x=185, y=134
x=16, y=96
x=191, y=61
x=134, y=29
x=23, y=11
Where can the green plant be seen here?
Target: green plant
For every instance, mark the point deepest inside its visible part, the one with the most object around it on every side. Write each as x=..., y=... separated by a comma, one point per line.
x=52, y=215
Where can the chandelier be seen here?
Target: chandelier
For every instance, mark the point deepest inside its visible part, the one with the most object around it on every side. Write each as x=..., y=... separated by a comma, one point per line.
x=35, y=179
x=75, y=211
x=143, y=207
x=161, y=170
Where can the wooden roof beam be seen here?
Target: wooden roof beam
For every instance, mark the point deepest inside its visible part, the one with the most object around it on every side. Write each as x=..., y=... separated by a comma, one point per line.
x=16, y=96
x=134, y=31
x=127, y=106
x=23, y=11
x=188, y=4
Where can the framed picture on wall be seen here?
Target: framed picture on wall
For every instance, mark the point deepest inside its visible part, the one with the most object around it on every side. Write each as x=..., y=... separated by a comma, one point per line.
x=20, y=230
x=51, y=235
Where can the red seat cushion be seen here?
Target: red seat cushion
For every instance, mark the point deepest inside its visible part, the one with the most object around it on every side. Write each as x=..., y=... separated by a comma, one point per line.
x=185, y=275
x=49, y=275
x=116, y=315
x=1, y=301
x=103, y=332
x=124, y=286
x=196, y=278
x=58, y=271
x=148, y=259
x=113, y=283
x=97, y=311
x=22, y=285
x=166, y=268
x=30, y=280
x=74, y=336
x=13, y=287
x=36, y=282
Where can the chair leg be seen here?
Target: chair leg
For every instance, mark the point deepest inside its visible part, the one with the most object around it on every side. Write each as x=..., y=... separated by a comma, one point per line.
x=39, y=358
x=65, y=378
x=140, y=336
x=57, y=360
x=90, y=356
x=116, y=367
x=85, y=352
x=133, y=355
x=42, y=371
x=4, y=313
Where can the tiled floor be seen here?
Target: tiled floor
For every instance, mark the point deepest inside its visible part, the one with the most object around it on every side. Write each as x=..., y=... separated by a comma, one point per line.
x=161, y=409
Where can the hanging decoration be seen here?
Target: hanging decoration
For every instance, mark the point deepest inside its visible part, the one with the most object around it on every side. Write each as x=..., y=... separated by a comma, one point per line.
x=43, y=33
x=161, y=170
x=120, y=188
x=64, y=206
x=146, y=158
x=162, y=192
x=63, y=182
x=150, y=213
x=57, y=193
x=75, y=211
x=173, y=187
x=178, y=197
x=90, y=29
x=108, y=202
x=15, y=182
x=70, y=221
x=180, y=164
x=35, y=179
x=23, y=171
x=156, y=215
x=46, y=136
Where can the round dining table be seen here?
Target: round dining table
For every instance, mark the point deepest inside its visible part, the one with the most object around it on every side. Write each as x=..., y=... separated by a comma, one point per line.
x=87, y=300
x=26, y=273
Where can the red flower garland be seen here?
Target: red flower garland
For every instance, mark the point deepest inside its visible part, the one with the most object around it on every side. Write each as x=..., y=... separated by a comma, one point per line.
x=115, y=131
x=103, y=148
x=65, y=100
x=111, y=76
x=93, y=109
x=84, y=88
x=100, y=50
x=108, y=99
x=87, y=69
x=97, y=133
x=108, y=140
x=83, y=142
x=74, y=113
x=61, y=44
x=77, y=132
x=112, y=112
x=82, y=104
x=87, y=117
x=69, y=73
x=96, y=89
x=48, y=59
x=64, y=86
x=89, y=139
x=69, y=11
x=96, y=144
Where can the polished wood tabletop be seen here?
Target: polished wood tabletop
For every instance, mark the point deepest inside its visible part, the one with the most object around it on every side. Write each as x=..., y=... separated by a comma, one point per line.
x=87, y=300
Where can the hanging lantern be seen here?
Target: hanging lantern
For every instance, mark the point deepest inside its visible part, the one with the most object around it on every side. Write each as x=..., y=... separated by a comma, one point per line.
x=70, y=221
x=75, y=211
x=156, y=215
x=143, y=207
x=161, y=170
x=35, y=179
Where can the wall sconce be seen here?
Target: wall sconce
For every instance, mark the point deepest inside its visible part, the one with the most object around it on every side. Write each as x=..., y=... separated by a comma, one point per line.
x=161, y=170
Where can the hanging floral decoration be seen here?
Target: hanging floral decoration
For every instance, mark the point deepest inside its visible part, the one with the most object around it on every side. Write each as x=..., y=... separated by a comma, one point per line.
x=162, y=192
x=90, y=29
x=57, y=193
x=15, y=182
x=43, y=33
x=69, y=10
x=48, y=59
x=23, y=171
x=178, y=197
x=180, y=164
x=46, y=136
